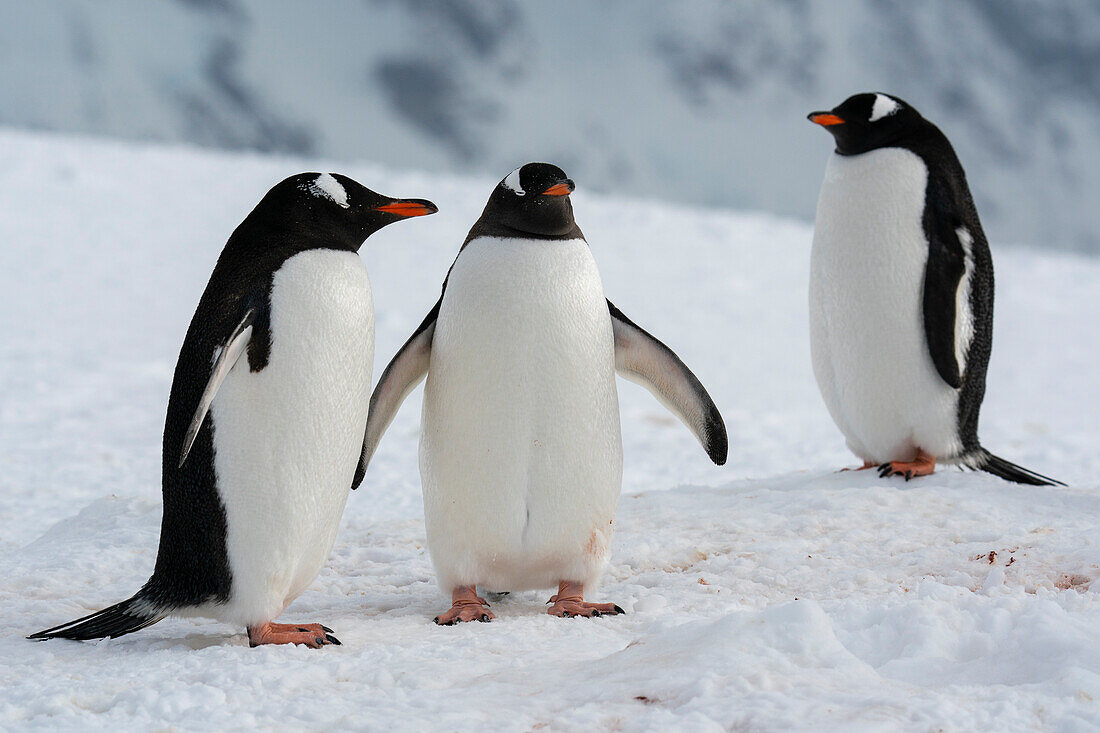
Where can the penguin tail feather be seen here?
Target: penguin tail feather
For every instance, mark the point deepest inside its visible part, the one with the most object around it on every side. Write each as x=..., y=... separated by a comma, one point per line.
x=122, y=618
x=983, y=460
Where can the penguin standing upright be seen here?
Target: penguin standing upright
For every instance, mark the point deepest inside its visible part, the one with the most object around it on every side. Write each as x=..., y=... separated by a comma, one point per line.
x=520, y=446
x=266, y=416
x=901, y=294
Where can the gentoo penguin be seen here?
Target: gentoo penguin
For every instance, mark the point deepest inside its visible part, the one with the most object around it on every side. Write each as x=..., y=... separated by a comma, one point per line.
x=266, y=417
x=901, y=294
x=520, y=445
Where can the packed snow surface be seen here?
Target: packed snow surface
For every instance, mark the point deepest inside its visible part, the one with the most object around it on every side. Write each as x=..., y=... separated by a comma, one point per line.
x=773, y=593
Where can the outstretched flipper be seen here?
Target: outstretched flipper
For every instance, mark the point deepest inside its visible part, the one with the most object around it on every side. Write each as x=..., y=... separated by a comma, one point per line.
x=643, y=359
x=407, y=369
x=227, y=356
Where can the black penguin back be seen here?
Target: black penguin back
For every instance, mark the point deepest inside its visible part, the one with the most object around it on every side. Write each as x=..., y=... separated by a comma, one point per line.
x=949, y=206
x=192, y=561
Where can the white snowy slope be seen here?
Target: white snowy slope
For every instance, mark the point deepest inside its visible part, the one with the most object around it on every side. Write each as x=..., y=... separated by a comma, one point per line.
x=691, y=100
x=774, y=593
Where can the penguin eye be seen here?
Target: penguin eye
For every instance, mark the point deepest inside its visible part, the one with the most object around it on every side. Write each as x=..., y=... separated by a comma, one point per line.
x=512, y=183
x=883, y=107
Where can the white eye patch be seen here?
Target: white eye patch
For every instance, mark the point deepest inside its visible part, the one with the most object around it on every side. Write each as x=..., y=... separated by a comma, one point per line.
x=512, y=182
x=326, y=187
x=883, y=107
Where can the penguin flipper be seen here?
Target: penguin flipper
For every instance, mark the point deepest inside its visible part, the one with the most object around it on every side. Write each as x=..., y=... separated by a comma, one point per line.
x=643, y=359
x=406, y=370
x=227, y=356
x=942, y=274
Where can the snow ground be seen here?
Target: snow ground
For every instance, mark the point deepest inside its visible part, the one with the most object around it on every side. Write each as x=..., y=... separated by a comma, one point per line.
x=770, y=594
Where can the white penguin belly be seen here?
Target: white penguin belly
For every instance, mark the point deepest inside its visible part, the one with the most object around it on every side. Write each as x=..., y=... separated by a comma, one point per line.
x=870, y=353
x=287, y=439
x=521, y=450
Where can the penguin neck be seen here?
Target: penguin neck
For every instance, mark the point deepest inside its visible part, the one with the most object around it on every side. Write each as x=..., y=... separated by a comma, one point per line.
x=923, y=139
x=285, y=237
x=493, y=227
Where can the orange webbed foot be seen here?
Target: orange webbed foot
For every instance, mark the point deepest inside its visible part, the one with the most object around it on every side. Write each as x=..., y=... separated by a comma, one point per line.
x=570, y=602
x=466, y=605
x=314, y=636
x=922, y=465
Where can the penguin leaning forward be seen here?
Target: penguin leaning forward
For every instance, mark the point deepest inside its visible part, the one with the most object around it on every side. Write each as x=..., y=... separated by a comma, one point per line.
x=266, y=416
x=901, y=294
x=520, y=444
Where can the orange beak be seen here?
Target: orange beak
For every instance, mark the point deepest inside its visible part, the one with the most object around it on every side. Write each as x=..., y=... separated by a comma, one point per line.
x=409, y=207
x=559, y=189
x=825, y=119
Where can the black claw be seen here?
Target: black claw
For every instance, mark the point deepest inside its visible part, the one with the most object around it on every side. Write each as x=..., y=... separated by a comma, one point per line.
x=595, y=612
x=908, y=475
x=319, y=640
x=566, y=614
x=302, y=630
x=326, y=628
x=484, y=618
x=332, y=639
x=619, y=610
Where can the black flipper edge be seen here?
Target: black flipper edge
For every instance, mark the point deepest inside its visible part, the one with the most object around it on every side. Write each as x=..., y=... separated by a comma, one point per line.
x=643, y=359
x=406, y=370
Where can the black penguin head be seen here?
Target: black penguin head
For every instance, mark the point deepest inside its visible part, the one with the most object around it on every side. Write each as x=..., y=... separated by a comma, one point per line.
x=533, y=199
x=868, y=121
x=332, y=210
